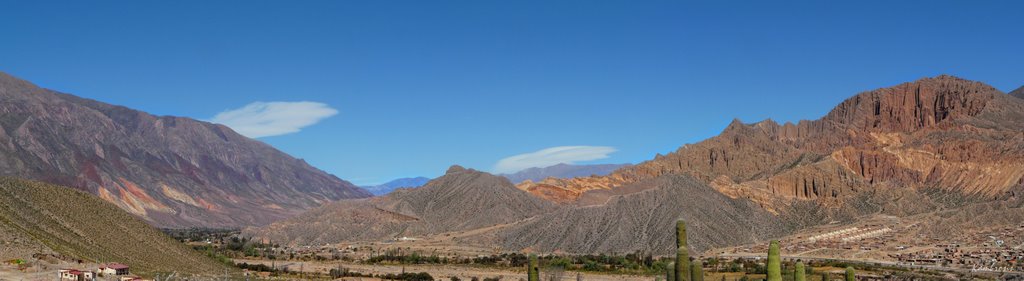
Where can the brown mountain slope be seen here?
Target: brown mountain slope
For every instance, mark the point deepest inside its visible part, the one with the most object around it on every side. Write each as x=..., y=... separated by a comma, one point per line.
x=462, y=199
x=172, y=171
x=638, y=222
x=43, y=218
x=942, y=132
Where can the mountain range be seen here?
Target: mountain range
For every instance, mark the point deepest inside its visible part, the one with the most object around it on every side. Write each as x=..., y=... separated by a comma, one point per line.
x=387, y=187
x=940, y=143
x=562, y=171
x=170, y=171
x=462, y=199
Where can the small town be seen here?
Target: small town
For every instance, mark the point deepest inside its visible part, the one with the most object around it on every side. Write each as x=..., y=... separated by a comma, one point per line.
x=83, y=272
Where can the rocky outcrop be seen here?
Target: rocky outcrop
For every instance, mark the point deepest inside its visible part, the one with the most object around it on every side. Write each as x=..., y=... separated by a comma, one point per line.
x=171, y=171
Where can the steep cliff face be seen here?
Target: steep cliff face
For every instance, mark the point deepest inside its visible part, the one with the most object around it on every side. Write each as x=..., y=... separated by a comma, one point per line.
x=171, y=171
x=942, y=132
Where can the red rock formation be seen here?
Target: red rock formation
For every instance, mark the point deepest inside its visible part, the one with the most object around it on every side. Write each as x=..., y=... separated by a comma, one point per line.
x=941, y=132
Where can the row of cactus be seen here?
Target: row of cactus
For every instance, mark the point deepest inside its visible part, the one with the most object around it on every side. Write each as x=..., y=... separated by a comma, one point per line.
x=685, y=272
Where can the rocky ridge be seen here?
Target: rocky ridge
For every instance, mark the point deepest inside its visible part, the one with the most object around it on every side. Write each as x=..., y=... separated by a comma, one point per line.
x=942, y=132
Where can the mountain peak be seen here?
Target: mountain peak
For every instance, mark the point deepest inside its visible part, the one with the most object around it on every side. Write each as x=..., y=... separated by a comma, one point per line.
x=736, y=124
x=1019, y=92
x=454, y=169
x=913, y=105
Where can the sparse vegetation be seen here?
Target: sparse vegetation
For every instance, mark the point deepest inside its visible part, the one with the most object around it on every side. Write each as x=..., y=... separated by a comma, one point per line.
x=81, y=226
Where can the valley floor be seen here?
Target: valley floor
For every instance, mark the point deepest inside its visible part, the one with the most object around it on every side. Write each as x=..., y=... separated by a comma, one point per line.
x=439, y=272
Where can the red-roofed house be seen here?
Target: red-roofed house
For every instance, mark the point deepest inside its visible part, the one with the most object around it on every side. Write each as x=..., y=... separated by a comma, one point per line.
x=76, y=275
x=114, y=269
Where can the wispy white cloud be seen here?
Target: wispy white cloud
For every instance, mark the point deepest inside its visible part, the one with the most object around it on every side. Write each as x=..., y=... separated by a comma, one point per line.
x=552, y=156
x=265, y=119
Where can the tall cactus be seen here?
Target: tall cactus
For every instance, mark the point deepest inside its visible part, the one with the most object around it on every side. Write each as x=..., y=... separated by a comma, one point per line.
x=851, y=275
x=682, y=253
x=800, y=274
x=697, y=271
x=533, y=270
x=824, y=276
x=670, y=272
x=774, y=262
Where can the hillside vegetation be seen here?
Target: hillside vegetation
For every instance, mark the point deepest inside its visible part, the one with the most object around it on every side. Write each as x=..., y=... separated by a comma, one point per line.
x=38, y=217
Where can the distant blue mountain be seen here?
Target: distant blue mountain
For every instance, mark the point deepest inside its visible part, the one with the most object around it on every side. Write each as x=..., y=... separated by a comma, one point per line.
x=387, y=187
x=562, y=171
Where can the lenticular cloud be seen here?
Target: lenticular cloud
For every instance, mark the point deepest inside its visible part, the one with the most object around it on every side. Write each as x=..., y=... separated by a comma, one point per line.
x=265, y=119
x=552, y=156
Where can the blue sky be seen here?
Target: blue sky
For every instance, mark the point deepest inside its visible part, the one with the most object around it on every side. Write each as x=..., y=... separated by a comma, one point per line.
x=406, y=88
